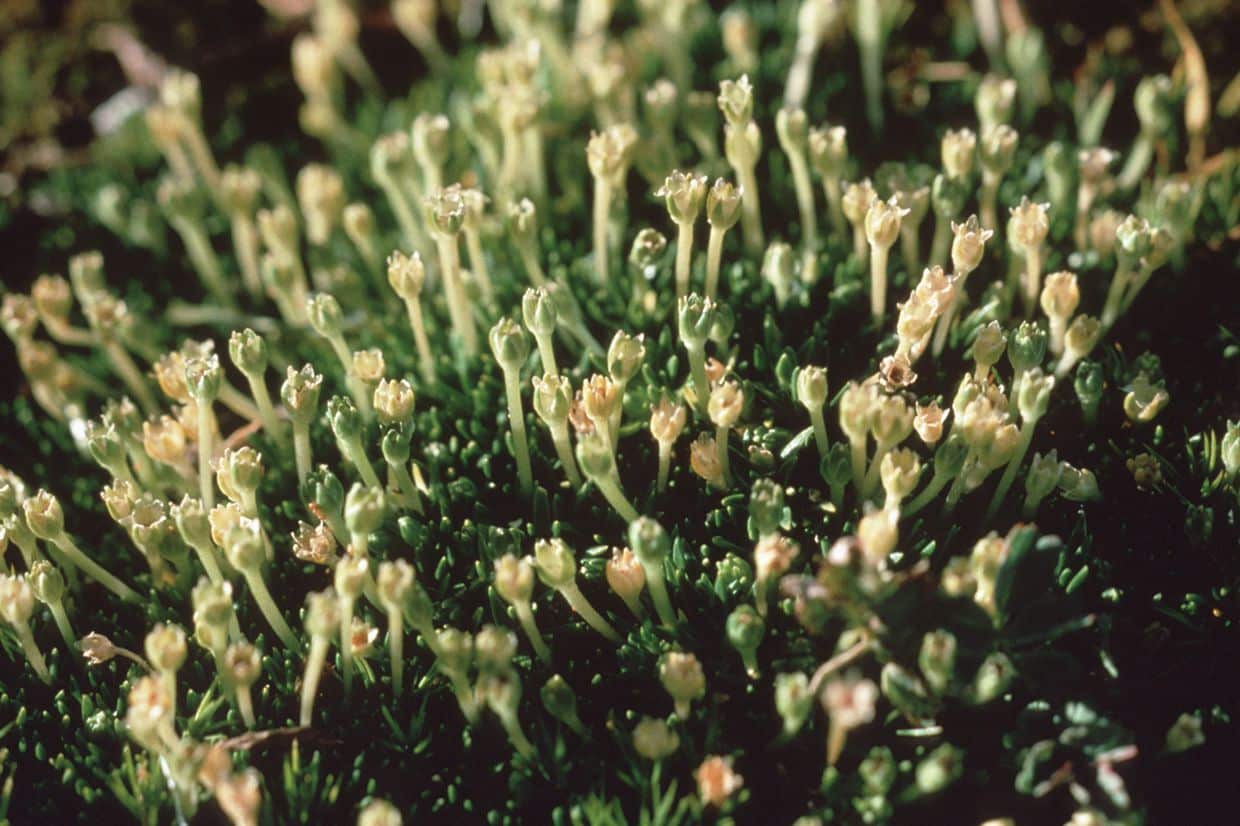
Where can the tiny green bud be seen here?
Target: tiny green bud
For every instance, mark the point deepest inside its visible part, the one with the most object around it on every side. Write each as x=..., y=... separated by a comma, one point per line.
x=325, y=314
x=510, y=344
x=648, y=248
x=445, y=211
x=793, y=701
x=723, y=204
x=300, y=393
x=767, y=511
x=736, y=100
x=624, y=356
x=682, y=678
x=555, y=563
x=406, y=274
x=364, y=508
x=957, y=149
x=203, y=378
x=994, y=100
x=649, y=541
x=939, y=769
x=244, y=548
x=937, y=659
x=322, y=617
x=684, y=194
x=393, y=401
x=539, y=312
x=812, y=387
x=745, y=630
x=248, y=350
x=947, y=197
x=1035, y=394
x=560, y=700
x=906, y=692
x=47, y=582
x=1027, y=346
x=495, y=647
x=878, y=770
x=696, y=317
x=993, y=677
x=345, y=420
x=44, y=516
x=514, y=578
x=595, y=455
x=350, y=575
x=166, y=648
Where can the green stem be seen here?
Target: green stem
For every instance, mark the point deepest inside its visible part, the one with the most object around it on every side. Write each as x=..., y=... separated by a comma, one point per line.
x=820, y=431
x=1013, y=466
x=616, y=498
x=33, y=654
x=301, y=449
x=478, y=263
x=697, y=369
x=346, y=643
x=658, y=592
x=804, y=189
x=559, y=438
x=858, y=463
x=721, y=448
x=714, y=257
x=665, y=465
x=937, y=483
x=546, y=353
x=206, y=435
x=878, y=282
x=941, y=243
x=63, y=625
x=396, y=648
x=525, y=615
x=578, y=602
x=404, y=481
x=426, y=361
x=751, y=211
x=93, y=569
x=835, y=209
x=267, y=605
x=129, y=373
x=684, y=257
x=266, y=411
x=520, y=444
x=357, y=455
x=245, y=704
x=602, y=208
x=245, y=247
x=314, y=672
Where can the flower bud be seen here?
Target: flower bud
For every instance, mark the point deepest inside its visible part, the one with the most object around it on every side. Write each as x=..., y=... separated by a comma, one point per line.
x=939, y=769
x=812, y=387
x=393, y=401
x=555, y=563
x=1043, y=476
x=445, y=211
x=856, y=408
x=696, y=317
x=1083, y=333
x=969, y=244
x=243, y=546
x=166, y=648
x=891, y=420
x=928, y=422
x=792, y=128
x=495, y=647
x=44, y=516
x=667, y=420
x=560, y=701
x=406, y=274
x=957, y=149
x=648, y=248
x=325, y=315
x=726, y=403
x=684, y=194
x=994, y=100
x=906, y=692
x=654, y=739
x=882, y=222
x=1060, y=296
x=509, y=344
x=609, y=153
x=998, y=148
x=321, y=196
x=514, y=578
x=773, y=555
x=793, y=701
x=148, y=708
x=242, y=665
x=1144, y=399
x=350, y=576
x=431, y=138
x=625, y=575
x=779, y=267
x=856, y=202
x=238, y=473
x=345, y=420
x=878, y=533
x=359, y=224
x=624, y=356
x=650, y=543
x=988, y=346
x=723, y=204
x=364, y=508
x=900, y=469
x=682, y=678
x=828, y=150
x=46, y=582
x=704, y=460
x=1230, y=449
x=300, y=393
x=369, y=365
x=553, y=398
x=203, y=378
x=594, y=455
x=315, y=545
x=248, y=350
x=947, y=196
x=1030, y=223
x=322, y=616
x=993, y=677
x=736, y=100
x=937, y=660
x=539, y=312
x=1026, y=346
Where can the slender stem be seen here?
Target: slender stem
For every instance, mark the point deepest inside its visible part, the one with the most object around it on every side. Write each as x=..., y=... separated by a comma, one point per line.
x=578, y=602
x=516, y=420
x=200, y=152
x=533, y=268
x=396, y=647
x=602, y=208
x=839, y=661
x=426, y=362
x=874, y=471
x=878, y=282
x=206, y=262
x=820, y=431
x=559, y=438
x=301, y=449
x=861, y=246
x=478, y=264
x=684, y=257
x=987, y=197
x=697, y=369
x=93, y=569
x=835, y=209
x=267, y=605
x=721, y=449
x=937, y=483
x=245, y=246
x=245, y=704
x=1013, y=466
x=525, y=616
x=1033, y=278
x=404, y=482
x=450, y=264
x=63, y=625
x=616, y=498
x=314, y=672
x=751, y=211
x=234, y=400
x=910, y=248
x=357, y=455
x=665, y=465
x=266, y=411
x=513, y=727
x=402, y=210
x=346, y=643
x=941, y=242
x=658, y=592
x=714, y=256
x=546, y=353
x=805, y=202
x=858, y=463
x=1139, y=158
x=129, y=373
x=33, y=654
x=206, y=555
x=1058, y=329
x=206, y=449
x=1115, y=293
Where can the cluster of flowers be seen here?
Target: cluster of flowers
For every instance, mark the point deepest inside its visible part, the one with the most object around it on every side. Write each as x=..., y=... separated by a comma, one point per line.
x=186, y=490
